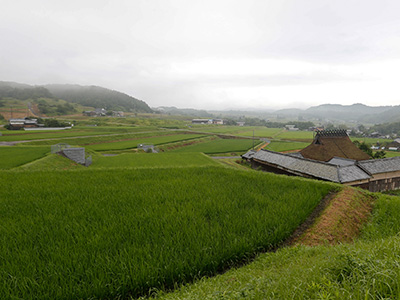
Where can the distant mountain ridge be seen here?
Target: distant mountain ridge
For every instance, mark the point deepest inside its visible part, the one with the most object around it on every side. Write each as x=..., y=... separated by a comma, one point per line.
x=99, y=97
x=93, y=96
x=356, y=112
x=184, y=111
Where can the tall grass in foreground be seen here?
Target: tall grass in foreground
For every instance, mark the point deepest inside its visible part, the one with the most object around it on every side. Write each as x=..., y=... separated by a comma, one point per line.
x=119, y=233
x=353, y=271
x=153, y=160
x=367, y=269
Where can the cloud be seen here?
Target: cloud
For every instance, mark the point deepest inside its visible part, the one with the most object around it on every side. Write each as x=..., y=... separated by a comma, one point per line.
x=216, y=53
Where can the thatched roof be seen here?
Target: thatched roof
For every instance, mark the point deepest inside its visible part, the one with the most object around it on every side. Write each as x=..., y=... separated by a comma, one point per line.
x=328, y=144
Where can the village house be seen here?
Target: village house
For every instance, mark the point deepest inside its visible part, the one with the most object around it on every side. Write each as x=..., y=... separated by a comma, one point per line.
x=208, y=121
x=202, y=121
x=332, y=157
x=16, y=124
x=291, y=127
x=98, y=112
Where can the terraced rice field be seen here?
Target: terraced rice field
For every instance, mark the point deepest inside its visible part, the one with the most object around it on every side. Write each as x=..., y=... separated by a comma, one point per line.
x=122, y=232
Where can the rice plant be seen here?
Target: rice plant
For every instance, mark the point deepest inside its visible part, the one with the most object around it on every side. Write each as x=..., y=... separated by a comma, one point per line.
x=116, y=233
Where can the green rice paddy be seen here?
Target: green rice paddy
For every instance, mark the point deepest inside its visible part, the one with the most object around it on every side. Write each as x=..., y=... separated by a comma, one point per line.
x=153, y=160
x=280, y=146
x=122, y=232
x=220, y=146
x=133, y=143
x=366, y=269
x=11, y=157
x=303, y=136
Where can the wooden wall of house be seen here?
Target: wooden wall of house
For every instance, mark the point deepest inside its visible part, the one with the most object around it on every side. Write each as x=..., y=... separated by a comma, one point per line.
x=387, y=184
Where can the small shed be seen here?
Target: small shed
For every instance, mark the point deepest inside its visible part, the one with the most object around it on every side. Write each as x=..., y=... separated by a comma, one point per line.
x=76, y=154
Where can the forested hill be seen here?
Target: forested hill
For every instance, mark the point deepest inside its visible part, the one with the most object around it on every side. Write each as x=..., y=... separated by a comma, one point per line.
x=99, y=97
x=93, y=96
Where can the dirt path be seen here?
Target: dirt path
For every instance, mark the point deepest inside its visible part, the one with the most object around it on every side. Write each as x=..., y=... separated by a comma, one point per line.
x=342, y=217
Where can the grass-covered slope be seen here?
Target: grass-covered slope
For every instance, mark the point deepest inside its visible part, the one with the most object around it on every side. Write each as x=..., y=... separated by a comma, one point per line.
x=366, y=269
x=121, y=232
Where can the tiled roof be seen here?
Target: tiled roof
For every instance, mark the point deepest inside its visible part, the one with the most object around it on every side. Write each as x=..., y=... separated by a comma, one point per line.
x=339, y=161
x=295, y=154
x=376, y=166
x=351, y=173
x=316, y=169
x=299, y=165
x=249, y=154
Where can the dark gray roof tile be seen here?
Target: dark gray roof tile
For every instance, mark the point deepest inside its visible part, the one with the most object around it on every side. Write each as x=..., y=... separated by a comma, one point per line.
x=376, y=166
x=312, y=168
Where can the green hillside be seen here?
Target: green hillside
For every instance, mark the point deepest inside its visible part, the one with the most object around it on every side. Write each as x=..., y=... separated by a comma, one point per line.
x=96, y=96
x=89, y=96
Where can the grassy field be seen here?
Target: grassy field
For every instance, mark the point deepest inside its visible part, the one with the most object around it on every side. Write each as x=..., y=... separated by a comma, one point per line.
x=99, y=139
x=117, y=233
x=367, y=269
x=218, y=129
x=220, y=146
x=303, y=136
x=261, y=132
x=391, y=153
x=153, y=160
x=155, y=140
x=50, y=162
x=11, y=157
x=370, y=141
x=19, y=135
x=280, y=146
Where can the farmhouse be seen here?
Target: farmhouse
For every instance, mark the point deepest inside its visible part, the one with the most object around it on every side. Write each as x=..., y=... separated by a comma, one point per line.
x=98, y=112
x=333, y=159
x=208, y=121
x=291, y=127
x=15, y=124
x=201, y=121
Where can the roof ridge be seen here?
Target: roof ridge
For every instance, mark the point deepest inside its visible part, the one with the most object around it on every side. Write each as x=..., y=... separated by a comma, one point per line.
x=301, y=158
x=338, y=174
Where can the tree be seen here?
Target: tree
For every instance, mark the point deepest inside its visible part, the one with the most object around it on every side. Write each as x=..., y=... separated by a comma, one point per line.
x=367, y=149
x=379, y=154
x=364, y=147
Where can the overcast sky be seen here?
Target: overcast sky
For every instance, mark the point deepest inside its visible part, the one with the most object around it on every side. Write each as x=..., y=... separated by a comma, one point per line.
x=209, y=54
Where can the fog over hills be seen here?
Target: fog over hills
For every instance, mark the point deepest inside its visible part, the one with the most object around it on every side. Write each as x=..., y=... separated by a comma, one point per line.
x=100, y=97
x=356, y=112
x=93, y=96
